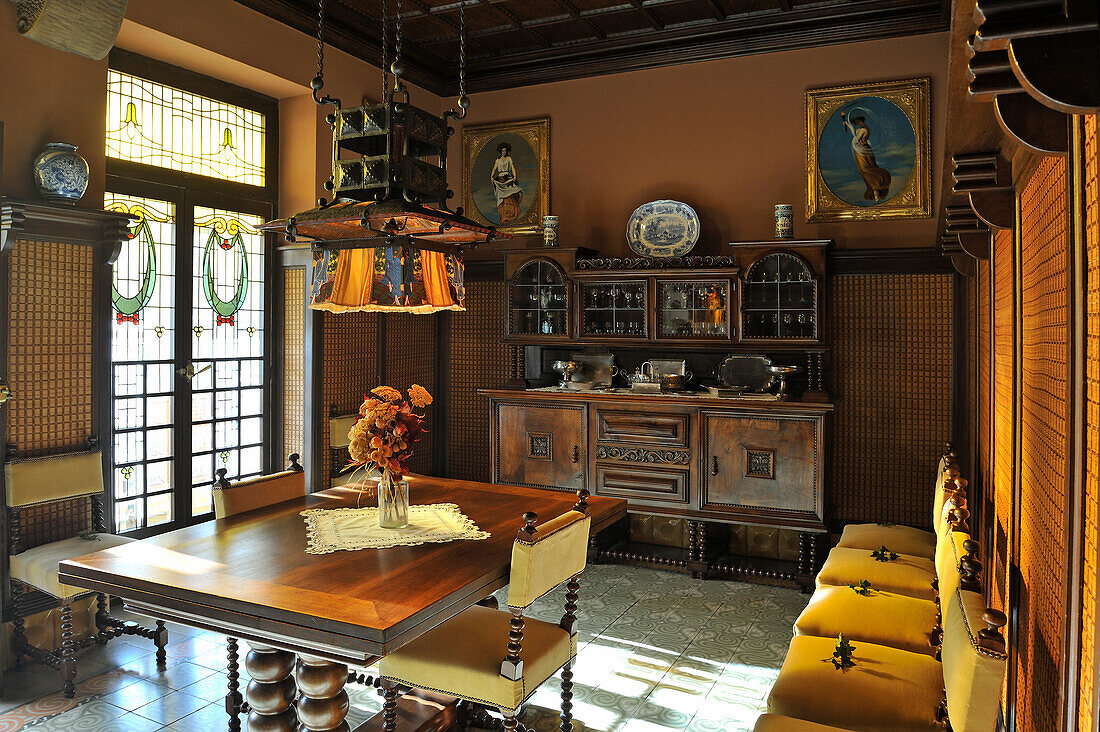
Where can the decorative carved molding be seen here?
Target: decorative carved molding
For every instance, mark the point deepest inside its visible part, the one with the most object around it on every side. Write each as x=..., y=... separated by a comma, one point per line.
x=985, y=178
x=971, y=231
x=952, y=249
x=689, y=262
x=642, y=455
x=32, y=221
x=1038, y=128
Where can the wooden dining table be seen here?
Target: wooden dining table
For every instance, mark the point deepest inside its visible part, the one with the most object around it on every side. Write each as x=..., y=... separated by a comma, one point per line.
x=249, y=576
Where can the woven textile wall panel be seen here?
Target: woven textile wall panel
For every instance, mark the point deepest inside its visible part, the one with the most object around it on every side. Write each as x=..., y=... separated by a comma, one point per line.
x=49, y=346
x=891, y=337
x=478, y=360
x=982, y=395
x=350, y=369
x=1043, y=427
x=1092, y=424
x=410, y=359
x=1003, y=377
x=293, y=361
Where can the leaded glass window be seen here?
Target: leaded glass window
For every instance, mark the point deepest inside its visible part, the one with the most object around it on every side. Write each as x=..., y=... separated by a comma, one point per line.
x=142, y=335
x=159, y=125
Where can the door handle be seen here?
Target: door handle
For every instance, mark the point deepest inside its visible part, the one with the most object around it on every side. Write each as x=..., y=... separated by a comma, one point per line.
x=188, y=372
x=576, y=454
x=714, y=466
x=6, y=394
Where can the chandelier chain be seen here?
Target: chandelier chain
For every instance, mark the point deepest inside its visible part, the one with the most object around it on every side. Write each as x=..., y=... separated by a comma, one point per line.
x=462, y=48
x=385, y=48
x=397, y=37
x=321, y=39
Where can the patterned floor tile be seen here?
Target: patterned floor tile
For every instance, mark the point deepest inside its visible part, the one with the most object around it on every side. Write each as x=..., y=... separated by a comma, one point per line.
x=171, y=707
x=90, y=717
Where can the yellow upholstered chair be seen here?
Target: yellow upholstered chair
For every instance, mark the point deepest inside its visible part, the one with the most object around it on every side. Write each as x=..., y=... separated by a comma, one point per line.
x=248, y=495
x=499, y=658
x=263, y=490
x=69, y=529
x=339, y=425
x=974, y=662
x=779, y=723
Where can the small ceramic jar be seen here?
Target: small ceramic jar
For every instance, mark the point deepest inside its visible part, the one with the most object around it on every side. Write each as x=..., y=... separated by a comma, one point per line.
x=60, y=174
x=550, y=231
x=784, y=221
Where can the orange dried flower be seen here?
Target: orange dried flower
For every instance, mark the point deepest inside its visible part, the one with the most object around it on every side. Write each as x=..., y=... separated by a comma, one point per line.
x=419, y=396
x=388, y=393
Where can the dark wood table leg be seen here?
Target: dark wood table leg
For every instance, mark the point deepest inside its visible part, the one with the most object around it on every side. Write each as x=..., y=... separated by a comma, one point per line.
x=697, y=562
x=271, y=691
x=323, y=705
x=807, y=560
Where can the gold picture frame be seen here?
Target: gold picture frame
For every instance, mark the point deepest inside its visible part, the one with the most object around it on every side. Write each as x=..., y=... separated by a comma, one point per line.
x=489, y=188
x=863, y=162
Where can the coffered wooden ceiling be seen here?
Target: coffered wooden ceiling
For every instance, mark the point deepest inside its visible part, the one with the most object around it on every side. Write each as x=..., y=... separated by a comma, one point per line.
x=519, y=42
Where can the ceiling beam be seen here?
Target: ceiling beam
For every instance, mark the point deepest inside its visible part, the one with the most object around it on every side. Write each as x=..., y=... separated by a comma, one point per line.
x=576, y=13
x=649, y=14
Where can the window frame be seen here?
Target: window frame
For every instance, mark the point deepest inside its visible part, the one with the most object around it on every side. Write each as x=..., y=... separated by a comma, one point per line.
x=186, y=191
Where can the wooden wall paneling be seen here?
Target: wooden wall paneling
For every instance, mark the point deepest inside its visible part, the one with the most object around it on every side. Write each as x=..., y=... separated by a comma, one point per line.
x=1089, y=155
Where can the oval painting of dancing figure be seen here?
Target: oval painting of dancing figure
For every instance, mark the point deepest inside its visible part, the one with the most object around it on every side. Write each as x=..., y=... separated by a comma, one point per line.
x=867, y=151
x=504, y=179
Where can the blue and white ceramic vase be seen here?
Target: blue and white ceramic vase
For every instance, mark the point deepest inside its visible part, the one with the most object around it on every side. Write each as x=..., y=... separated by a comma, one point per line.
x=60, y=173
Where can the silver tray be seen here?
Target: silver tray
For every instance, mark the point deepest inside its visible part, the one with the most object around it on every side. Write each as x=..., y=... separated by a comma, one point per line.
x=662, y=366
x=746, y=373
x=600, y=367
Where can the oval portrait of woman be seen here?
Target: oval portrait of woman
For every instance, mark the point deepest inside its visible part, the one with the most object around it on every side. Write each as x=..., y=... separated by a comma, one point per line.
x=504, y=179
x=867, y=151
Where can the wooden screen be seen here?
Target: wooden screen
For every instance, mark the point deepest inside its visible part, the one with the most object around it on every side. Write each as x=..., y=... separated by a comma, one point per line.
x=1043, y=442
x=410, y=359
x=478, y=359
x=1003, y=378
x=892, y=344
x=1091, y=502
x=293, y=362
x=350, y=370
x=50, y=347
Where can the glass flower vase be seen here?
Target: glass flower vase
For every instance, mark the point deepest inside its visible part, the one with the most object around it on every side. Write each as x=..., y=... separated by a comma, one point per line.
x=393, y=501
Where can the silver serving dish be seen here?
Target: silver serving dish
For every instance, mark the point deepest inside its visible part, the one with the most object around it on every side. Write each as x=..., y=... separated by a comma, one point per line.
x=659, y=367
x=747, y=373
x=598, y=367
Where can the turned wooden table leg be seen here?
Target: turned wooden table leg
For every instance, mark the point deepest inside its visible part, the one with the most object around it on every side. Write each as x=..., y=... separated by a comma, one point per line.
x=272, y=690
x=323, y=705
x=68, y=649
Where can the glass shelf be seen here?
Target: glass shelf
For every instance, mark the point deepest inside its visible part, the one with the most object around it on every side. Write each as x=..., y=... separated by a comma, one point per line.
x=614, y=309
x=693, y=309
x=538, y=299
x=779, y=299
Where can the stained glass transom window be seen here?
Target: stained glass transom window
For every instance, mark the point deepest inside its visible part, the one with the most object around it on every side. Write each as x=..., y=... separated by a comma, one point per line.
x=142, y=329
x=227, y=403
x=159, y=125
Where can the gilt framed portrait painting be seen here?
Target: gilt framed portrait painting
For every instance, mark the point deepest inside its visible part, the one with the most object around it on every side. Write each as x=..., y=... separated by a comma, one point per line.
x=868, y=152
x=506, y=174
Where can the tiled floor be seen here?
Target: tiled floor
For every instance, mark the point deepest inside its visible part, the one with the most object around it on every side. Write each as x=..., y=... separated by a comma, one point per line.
x=659, y=651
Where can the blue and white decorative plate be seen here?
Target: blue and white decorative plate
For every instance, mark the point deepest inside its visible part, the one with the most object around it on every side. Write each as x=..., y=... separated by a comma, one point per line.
x=663, y=229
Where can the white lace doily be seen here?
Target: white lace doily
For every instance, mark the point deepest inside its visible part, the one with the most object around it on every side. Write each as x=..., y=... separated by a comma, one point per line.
x=334, y=529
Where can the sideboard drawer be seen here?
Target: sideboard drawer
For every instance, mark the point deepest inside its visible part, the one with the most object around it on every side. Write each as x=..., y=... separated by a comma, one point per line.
x=666, y=430
x=647, y=484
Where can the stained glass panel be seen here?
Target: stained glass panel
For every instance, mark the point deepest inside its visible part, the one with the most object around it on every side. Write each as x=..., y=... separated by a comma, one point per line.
x=228, y=336
x=142, y=328
x=159, y=125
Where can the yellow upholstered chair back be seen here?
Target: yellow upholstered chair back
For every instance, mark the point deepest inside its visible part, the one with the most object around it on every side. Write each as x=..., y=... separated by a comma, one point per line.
x=52, y=478
x=974, y=662
x=544, y=556
x=263, y=490
x=338, y=428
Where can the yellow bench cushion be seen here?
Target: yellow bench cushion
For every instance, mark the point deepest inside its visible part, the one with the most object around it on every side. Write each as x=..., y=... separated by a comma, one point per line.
x=906, y=575
x=902, y=539
x=884, y=618
x=779, y=723
x=38, y=567
x=888, y=690
x=462, y=657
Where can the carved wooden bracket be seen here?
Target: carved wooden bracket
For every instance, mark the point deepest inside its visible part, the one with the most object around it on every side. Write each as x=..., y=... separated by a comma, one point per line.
x=1036, y=127
x=985, y=178
x=971, y=232
x=34, y=221
x=1052, y=48
x=989, y=74
x=960, y=260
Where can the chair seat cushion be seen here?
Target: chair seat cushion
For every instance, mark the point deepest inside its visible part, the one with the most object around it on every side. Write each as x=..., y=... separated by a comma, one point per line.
x=779, y=723
x=462, y=657
x=901, y=539
x=38, y=567
x=884, y=618
x=906, y=575
x=888, y=690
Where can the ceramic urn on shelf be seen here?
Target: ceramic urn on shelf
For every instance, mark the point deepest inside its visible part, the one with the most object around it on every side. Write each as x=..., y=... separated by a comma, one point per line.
x=60, y=173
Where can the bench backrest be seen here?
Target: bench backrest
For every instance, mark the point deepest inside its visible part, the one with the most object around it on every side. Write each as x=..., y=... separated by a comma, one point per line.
x=263, y=490
x=974, y=662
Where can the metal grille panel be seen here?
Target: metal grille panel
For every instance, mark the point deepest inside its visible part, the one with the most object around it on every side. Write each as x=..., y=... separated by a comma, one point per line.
x=410, y=359
x=350, y=370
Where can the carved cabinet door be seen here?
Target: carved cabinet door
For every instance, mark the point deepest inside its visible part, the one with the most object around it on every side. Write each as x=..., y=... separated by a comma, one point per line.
x=540, y=446
x=762, y=468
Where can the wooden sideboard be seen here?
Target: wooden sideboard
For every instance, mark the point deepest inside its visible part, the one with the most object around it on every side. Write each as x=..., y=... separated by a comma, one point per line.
x=705, y=459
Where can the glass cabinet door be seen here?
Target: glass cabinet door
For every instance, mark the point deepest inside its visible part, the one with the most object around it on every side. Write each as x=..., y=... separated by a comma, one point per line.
x=538, y=302
x=613, y=308
x=779, y=299
x=693, y=309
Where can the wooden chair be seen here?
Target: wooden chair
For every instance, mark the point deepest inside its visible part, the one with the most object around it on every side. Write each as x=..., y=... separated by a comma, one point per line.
x=57, y=489
x=338, y=441
x=248, y=495
x=466, y=656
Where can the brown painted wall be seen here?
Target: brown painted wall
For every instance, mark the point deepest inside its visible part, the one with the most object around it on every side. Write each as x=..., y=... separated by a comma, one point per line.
x=725, y=136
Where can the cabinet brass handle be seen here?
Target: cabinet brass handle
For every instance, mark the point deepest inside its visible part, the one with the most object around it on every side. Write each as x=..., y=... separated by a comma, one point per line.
x=576, y=453
x=714, y=466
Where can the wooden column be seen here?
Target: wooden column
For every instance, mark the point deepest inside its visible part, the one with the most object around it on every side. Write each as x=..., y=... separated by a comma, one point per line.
x=271, y=691
x=323, y=705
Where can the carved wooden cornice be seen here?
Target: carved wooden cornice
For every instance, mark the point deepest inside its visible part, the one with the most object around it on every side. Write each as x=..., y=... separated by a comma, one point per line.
x=36, y=221
x=985, y=178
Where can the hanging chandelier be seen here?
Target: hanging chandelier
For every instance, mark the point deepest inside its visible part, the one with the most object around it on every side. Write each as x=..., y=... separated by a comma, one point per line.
x=387, y=241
